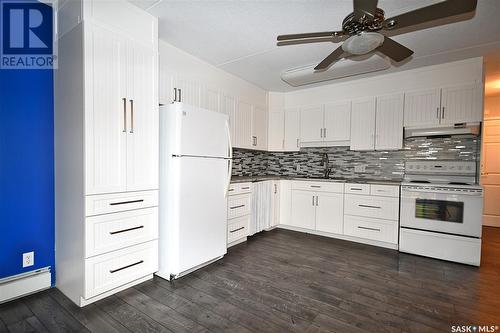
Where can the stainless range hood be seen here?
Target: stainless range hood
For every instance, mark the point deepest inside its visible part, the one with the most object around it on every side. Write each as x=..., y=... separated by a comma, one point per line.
x=457, y=129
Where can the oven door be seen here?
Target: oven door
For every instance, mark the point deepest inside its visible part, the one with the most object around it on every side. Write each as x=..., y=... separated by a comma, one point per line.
x=442, y=210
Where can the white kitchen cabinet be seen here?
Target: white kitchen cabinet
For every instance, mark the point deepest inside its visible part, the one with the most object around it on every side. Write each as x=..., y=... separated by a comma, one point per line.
x=292, y=130
x=275, y=203
x=312, y=124
x=106, y=149
x=228, y=107
x=389, y=122
x=209, y=98
x=363, y=124
x=422, y=107
x=338, y=122
x=239, y=205
x=461, y=103
x=243, y=125
x=142, y=138
x=186, y=90
x=276, y=133
x=259, y=128
x=330, y=212
x=106, y=115
x=303, y=209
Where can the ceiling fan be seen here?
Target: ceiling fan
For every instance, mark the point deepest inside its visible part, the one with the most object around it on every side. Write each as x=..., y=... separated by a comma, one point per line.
x=361, y=30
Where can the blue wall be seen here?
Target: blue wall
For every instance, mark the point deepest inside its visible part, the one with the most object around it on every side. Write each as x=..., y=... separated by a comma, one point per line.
x=26, y=169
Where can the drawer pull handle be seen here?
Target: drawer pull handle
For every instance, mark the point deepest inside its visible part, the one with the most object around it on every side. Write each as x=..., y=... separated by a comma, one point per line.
x=245, y=188
x=125, y=202
x=316, y=186
x=240, y=228
x=239, y=206
x=231, y=189
x=366, y=228
x=356, y=189
x=368, y=206
x=125, y=267
x=125, y=230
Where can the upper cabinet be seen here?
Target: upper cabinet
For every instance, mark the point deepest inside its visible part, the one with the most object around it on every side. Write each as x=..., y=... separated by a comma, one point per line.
x=291, y=140
x=242, y=126
x=259, y=128
x=326, y=124
x=461, y=104
x=389, y=122
x=363, y=124
x=276, y=133
x=444, y=106
x=338, y=122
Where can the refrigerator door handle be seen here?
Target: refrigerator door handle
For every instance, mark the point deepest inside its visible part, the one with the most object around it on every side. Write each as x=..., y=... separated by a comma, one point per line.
x=230, y=158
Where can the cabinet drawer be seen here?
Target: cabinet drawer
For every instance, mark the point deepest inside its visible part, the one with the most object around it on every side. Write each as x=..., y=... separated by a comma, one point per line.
x=374, y=229
x=114, y=269
x=372, y=206
x=318, y=186
x=240, y=188
x=109, y=232
x=119, y=202
x=385, y=190
x=357, y=188
x=238, y=205
x=237, y=228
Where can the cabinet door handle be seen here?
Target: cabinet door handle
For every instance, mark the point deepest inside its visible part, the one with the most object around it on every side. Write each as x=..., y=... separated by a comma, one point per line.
x=317, y=200
x=125, y=202
x=297, y=142
x=124, y=115
x=175, y=94
x=125, y=230
x=367, y=228
x=313, y=200
x=355, y=189
x=324, y=132
x=245, y=188
x=369, y=206
x=180, y=95
x=437, y=112
x=320, y=132
x=275, y=188
x=240, y=228
x=442, y=114
x=131, y=116
x=125, y=267
x=235, y=207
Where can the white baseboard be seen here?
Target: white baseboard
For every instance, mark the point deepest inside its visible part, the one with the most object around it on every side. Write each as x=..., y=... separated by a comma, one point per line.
x=491, y=220
x=24, y=284
x=343, y=237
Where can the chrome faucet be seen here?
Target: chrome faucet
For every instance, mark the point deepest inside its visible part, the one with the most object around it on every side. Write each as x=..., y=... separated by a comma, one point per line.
x=325, y=161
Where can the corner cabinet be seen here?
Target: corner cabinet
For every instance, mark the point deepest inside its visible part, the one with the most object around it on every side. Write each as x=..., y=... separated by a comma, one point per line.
x=106, y=143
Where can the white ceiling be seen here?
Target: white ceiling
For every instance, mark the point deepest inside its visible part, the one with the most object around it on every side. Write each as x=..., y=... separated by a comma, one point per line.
x=240, y=36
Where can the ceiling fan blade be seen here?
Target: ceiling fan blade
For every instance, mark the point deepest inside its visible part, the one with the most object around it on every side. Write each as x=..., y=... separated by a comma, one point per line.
x=305, y=41
x=394, y=50
x=332, y=57
x=430, y=13
x=311, y=35
x=364, y=7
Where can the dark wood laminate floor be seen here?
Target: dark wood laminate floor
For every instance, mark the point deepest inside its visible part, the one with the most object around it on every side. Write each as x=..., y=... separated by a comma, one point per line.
x=283, y=281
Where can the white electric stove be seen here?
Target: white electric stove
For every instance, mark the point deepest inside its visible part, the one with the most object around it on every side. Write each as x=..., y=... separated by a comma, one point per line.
x=441, y=211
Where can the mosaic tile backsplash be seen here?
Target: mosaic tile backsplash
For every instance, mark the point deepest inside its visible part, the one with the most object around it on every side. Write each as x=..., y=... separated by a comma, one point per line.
x=383, y=165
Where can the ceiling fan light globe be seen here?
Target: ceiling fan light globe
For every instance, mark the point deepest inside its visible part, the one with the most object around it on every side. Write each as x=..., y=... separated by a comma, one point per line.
x=363, y=43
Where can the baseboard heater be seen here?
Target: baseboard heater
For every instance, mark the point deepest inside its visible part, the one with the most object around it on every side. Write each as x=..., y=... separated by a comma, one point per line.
x=24, y=284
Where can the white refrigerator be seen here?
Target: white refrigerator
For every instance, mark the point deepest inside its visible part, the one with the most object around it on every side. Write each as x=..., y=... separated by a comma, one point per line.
x=195, y=171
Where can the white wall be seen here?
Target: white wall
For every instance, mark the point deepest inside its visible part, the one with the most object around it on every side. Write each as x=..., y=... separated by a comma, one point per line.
x=428, y=77
x=175, y=61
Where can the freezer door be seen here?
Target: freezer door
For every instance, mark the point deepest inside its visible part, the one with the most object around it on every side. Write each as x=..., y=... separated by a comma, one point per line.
x=203, y=133
x=202, y=210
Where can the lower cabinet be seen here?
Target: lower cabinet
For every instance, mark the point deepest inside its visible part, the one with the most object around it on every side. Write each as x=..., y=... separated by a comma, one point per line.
x=238, y=212
x=370, y=228
x=321, y=211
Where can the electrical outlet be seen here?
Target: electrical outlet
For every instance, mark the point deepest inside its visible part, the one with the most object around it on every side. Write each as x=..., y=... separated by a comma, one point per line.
x=360, y=168
x=297, y=167
x=28, y=259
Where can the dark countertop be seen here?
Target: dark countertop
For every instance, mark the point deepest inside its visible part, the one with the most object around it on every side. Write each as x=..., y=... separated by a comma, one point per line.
x=253, y=179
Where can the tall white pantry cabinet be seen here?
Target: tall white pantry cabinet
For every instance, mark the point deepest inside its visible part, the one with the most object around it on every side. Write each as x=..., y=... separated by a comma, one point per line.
x=106, y=148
